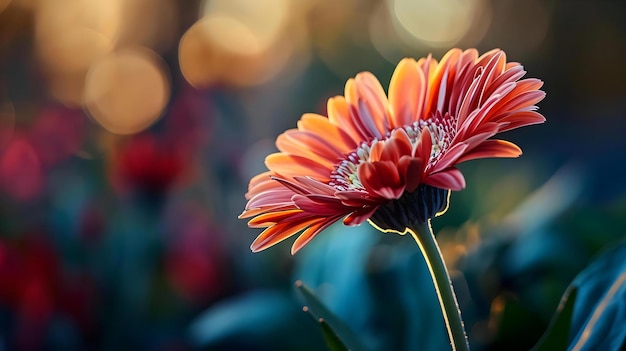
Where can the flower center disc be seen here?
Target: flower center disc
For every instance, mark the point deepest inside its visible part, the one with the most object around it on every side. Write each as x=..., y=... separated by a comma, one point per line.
x=345, y=177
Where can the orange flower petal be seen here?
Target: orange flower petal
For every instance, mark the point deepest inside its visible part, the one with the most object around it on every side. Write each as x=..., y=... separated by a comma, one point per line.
x=268, y=219
x=478, y=135
x=381, y=178
x=373, y=102
x=319, y=205
x=520, y=101
x=510, y=75
x=424, y=146
x=492, y=148
x=438, y=84
x=376, y=151
x=413, y=170
x=279, y=232
x=367, y=105
x=494, y=67
x=311, y=232
x=315, y=185
x=339, y=116
x=320, y=125
x=397, y=146
x=450, y=178
x=270, y=198
x=356, y=198
x=257, y=211
x=259, y=183
x=292, y=166
x=293, y=186
x=309, y=145
x=520, y=119
x=406, y=93
x=450, y=157
x=356, y=218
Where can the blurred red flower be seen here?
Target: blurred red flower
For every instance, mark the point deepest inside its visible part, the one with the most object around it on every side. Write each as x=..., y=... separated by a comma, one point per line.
x=189, y=123
x=194, y=260
x=34, y=289
x=54, y=136
x=21, y=174
x=145, y=162
x=57, y=133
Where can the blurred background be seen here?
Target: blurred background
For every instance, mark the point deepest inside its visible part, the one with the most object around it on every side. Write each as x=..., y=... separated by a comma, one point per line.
x=129, y=130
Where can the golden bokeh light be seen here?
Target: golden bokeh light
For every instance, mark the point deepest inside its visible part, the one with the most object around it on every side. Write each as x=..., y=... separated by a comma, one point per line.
x=434, y=23
x=66, y=57
x=220, y=48
x=383, y=35
x=126, y=91
x=4, y=4
x=56, y=16
x=22, y=4
x=262, y=20
x=148, y=23
x=463, y=26
x=338, y=27
x=70, y=35
x=196, y=57
x=231, y=35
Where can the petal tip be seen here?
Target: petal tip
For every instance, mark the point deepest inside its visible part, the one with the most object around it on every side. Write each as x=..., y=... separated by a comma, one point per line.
x=295, y=249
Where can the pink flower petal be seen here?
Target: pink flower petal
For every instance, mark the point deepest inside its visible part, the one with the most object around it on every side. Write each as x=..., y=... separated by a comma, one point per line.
x=292, y=166
x=397, y=146
x=414, y=168
x=279, y=232
x=322, y=126
x=492, y=148
x=451, y=179
x=381, y=178
x=339, y=116
x=356, y=218
x=311, y=232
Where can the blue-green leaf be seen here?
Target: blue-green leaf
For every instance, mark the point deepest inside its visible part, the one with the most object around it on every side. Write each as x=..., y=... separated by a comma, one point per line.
x=556, y=337
x=592, y=313
x=600, y=312
x=337, y=332
x=332, y=339
x=259, y=320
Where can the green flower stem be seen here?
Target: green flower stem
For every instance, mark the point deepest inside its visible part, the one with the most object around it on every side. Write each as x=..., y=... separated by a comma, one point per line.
x=427, y=243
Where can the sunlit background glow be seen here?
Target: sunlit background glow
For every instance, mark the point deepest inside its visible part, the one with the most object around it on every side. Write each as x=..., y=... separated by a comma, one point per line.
x=244, y=43
x=436, y=23
x=239, y=42
x=129, y=130
x=126, y=91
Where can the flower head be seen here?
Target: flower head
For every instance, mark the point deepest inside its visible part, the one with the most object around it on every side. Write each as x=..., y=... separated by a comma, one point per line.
x=381, y=157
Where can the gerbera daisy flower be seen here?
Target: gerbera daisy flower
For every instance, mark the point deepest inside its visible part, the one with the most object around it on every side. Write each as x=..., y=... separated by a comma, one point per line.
x=391, y=159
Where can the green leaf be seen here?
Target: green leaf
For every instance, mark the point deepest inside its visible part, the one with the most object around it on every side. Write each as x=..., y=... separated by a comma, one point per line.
x=337, y=334
x=332, y=340
x=557, y=335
